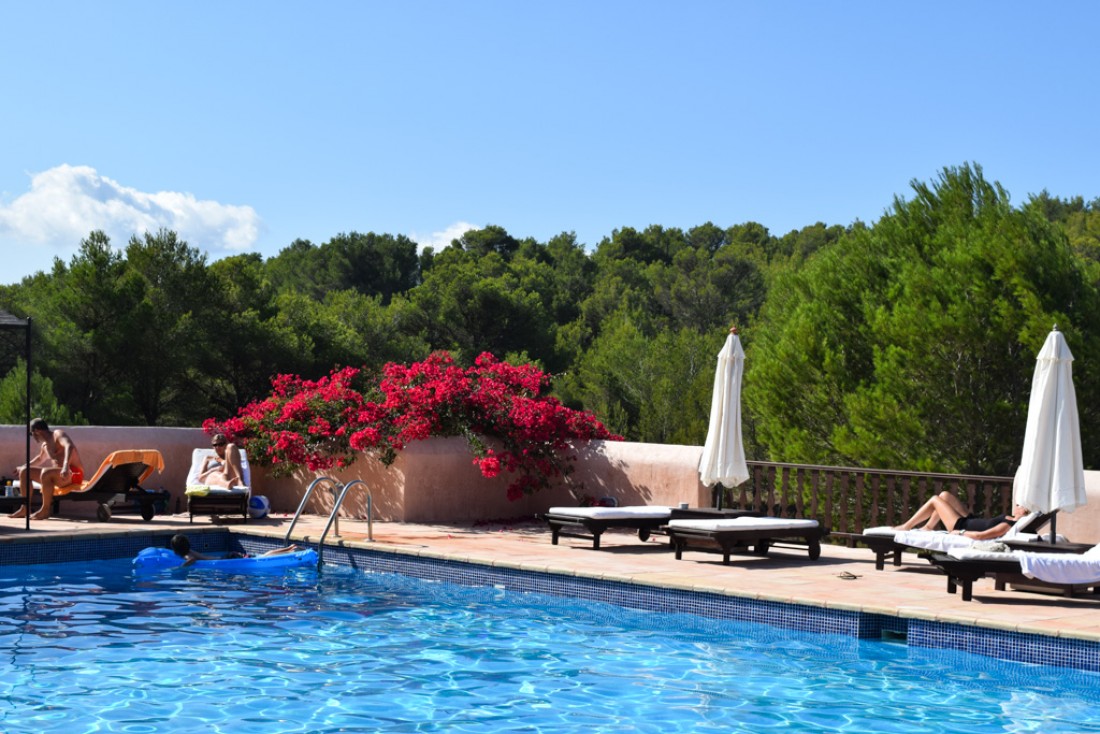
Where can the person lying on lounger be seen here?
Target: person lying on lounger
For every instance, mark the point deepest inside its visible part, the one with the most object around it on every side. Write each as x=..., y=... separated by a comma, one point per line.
x=945, y=509
x=56, y=465
x=181, y=546
x=224, y=468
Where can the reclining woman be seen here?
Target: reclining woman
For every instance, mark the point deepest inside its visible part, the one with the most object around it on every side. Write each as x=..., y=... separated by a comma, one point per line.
x=224, y=468
x=946, y=509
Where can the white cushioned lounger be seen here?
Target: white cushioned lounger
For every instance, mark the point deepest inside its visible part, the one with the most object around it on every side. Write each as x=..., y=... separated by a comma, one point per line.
x=202, y=499
x=613, y=513
x=595, y=520
x=728, y=534
x=886, y=540
x=1068, y=571
x=1054, y=568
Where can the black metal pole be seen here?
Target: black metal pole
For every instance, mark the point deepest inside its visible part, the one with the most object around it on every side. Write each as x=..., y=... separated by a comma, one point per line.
x=29, y=489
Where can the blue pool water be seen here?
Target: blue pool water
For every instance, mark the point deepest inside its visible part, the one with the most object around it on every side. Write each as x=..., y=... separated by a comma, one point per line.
x=90, y=648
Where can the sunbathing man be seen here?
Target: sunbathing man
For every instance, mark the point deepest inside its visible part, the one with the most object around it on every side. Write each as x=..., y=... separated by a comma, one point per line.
x=181, y=546
x=946, y=509
x=224, y=469
x=56, y=465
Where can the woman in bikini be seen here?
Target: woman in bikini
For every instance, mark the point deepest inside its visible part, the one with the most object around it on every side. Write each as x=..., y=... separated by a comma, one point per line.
x=224, y=468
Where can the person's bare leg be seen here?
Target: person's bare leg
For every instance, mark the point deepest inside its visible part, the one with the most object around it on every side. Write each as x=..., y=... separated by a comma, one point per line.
x=48, y=480
x=924, y=513
x=25, y=485
x=947, y=510
x=277, y=551
x=234, y=471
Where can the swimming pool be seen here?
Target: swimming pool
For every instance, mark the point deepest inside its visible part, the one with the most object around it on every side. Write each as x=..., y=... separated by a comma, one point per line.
x=89, y=647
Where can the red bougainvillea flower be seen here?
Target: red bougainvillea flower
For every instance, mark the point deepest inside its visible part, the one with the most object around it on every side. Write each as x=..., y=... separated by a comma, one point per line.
x=328, y=422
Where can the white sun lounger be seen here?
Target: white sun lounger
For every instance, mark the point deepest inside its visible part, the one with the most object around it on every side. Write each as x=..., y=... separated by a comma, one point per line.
x=202, y=499
x=1069, y=571
x=595, y=520
x=887, y=540
x=760, y=532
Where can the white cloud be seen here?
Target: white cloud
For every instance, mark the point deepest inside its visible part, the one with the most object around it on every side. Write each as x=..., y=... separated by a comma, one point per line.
x=442, y=239
x=66, y=203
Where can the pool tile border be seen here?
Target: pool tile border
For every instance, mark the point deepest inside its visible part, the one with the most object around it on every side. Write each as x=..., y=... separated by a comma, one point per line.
x=990, y=642
x=927, y=633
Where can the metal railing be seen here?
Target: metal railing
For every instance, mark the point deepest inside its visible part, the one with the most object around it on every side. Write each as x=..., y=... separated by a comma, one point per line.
x=334, y=516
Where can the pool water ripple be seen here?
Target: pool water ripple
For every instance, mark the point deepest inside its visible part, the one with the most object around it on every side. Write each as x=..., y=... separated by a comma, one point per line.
x=89, y=648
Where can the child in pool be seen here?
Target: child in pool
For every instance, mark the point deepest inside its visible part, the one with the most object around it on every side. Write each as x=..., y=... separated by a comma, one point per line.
x=181, y=546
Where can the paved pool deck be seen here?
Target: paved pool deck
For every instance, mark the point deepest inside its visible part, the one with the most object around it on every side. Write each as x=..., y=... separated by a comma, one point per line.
x=843, y=578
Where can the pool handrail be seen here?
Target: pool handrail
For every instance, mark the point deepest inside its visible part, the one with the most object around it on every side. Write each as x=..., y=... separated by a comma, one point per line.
x=305, y=499
x=334, y=517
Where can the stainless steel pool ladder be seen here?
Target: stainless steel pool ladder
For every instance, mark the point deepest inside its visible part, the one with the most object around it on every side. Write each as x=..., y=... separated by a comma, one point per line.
x=334, y=516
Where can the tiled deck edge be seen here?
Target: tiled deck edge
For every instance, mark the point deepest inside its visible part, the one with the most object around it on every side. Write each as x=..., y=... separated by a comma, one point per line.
x=1004, y=644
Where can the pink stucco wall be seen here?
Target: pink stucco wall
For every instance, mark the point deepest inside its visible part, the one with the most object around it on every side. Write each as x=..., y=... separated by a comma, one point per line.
x=435, y=481
x=95, y=443
x=431, y=481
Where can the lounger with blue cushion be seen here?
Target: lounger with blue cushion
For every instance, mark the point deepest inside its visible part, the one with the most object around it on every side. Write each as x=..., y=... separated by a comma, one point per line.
x=761, y=533
x=595, y=520
x=202, y=499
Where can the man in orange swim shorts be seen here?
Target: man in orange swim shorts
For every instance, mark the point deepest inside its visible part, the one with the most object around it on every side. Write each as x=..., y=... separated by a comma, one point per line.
x=56, y=465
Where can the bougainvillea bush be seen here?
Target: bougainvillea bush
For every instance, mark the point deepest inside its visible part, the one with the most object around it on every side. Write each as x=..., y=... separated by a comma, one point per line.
x=509, y=421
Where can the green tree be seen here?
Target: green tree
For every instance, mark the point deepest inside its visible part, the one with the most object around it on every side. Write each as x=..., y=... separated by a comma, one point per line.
x=911, y=344
x=248, y=341
x=469, y=304
x=80, y=312
x=372, y=264
x=654, y=389
x=44, y=404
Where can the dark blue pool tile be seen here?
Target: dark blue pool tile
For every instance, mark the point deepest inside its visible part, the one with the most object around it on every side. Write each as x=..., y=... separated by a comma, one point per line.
x=1007, y=645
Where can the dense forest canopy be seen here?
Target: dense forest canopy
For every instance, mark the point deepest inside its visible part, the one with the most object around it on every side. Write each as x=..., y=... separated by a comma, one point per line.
x=908, y=343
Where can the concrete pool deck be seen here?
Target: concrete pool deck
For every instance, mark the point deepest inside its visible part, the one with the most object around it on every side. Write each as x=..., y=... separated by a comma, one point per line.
x=843, y=578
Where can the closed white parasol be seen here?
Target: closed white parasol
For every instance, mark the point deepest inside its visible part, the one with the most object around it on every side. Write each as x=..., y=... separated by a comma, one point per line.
x=1051, y=473
x=723, y=459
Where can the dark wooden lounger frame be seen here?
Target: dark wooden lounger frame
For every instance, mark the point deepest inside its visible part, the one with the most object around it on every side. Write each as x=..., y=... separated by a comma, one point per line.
x=965, y=572
x=222, y=503
x=569, y=525
x=117, y=482
x=728, y=540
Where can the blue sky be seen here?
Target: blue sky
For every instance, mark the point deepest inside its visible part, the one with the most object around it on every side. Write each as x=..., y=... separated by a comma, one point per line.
x=246, y=125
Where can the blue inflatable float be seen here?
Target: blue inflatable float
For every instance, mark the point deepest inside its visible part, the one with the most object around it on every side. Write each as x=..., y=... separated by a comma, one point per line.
x=163, y=559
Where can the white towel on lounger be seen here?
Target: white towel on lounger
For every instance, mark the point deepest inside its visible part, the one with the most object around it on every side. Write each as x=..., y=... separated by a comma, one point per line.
x=1063, y=568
